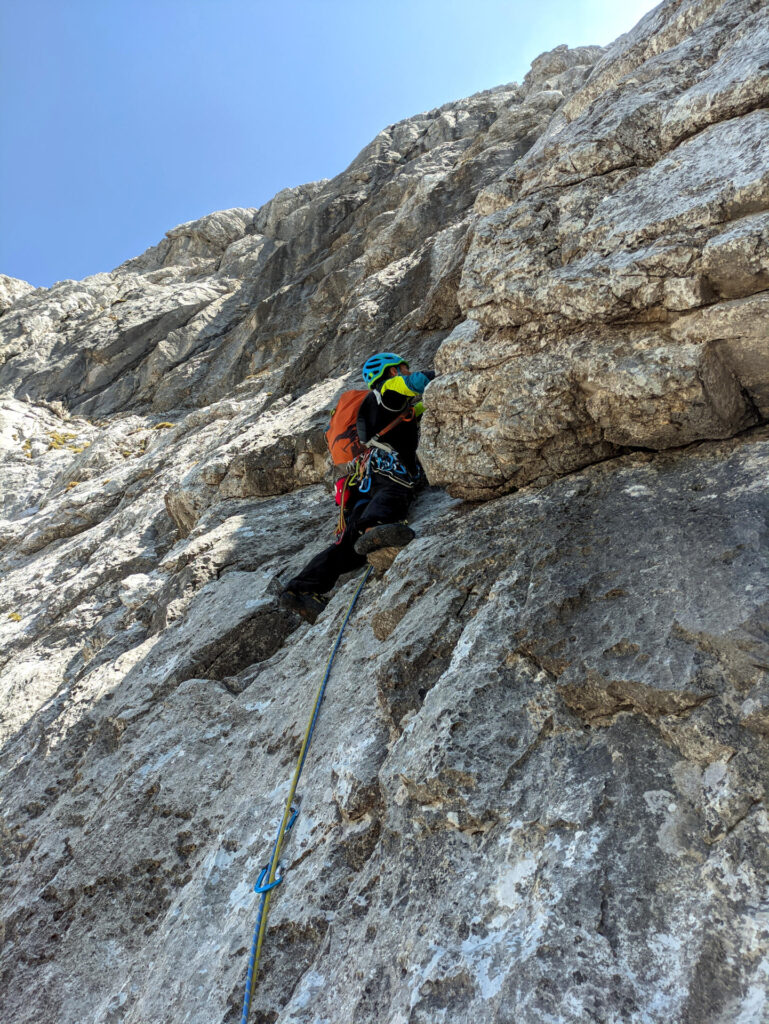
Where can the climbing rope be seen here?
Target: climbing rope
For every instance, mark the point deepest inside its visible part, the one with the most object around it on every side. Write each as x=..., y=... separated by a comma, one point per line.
x=269, y=877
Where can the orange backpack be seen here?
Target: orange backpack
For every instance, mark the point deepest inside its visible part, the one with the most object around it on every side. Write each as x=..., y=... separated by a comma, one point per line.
x=342, y=434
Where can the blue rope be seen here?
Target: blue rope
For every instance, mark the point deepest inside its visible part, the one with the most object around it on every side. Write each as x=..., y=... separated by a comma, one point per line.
x=264, y=889
x=316, y=710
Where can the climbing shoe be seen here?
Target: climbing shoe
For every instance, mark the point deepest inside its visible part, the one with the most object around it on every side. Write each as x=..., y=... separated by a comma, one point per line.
x=391, y=535
x=304, y=602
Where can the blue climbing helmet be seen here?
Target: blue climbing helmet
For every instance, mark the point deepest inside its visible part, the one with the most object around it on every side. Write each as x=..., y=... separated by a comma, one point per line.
x=374, y=367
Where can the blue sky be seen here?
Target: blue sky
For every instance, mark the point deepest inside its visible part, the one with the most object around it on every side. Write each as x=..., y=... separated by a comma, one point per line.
x=123, y=118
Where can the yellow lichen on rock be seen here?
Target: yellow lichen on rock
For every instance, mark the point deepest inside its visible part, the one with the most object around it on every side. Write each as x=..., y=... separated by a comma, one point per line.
x=60, y=440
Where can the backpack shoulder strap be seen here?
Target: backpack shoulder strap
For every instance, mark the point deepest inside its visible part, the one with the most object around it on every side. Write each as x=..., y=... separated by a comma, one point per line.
x=404, y=417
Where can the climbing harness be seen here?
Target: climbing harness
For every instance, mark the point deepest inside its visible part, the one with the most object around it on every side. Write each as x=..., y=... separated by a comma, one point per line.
x=272, y=873
x=386, y=463
x=379, y=458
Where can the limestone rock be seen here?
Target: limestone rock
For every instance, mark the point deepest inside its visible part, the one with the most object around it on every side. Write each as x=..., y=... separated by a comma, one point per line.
x=532, y=708
x=11, y=289
x=197, y=243
x=616, y=228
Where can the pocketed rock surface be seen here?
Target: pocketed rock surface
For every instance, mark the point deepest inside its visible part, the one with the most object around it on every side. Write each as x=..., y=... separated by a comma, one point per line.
x=537, y=789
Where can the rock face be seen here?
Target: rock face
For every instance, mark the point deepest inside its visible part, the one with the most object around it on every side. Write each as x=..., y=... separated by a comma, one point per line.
x=593, y=286
x=11, y=289
x=537, y=791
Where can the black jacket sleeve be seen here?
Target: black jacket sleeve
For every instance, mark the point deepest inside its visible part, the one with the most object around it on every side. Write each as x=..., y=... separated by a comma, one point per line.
x=366, y=422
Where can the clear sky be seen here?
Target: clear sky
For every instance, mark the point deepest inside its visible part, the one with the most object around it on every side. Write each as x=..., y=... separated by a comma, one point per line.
x=123, y=118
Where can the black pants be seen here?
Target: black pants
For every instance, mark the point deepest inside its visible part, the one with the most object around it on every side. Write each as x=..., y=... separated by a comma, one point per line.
x=386, y=502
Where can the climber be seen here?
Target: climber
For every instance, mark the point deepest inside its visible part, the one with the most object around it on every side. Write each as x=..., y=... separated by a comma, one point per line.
x=374, y=512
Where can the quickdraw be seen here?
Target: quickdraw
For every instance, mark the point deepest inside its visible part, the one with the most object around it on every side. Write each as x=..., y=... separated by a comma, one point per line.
x=360, y=478
x=272, y=873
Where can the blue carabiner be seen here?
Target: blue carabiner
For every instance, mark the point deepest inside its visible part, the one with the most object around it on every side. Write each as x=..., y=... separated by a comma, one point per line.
x=259, y=887
x=270, y=885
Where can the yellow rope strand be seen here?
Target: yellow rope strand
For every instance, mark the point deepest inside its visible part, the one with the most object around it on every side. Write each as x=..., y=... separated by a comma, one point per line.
x=288, y=808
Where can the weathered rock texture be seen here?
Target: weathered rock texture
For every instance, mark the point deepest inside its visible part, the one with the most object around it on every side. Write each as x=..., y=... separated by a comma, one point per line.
x=612, y=292
x=537, y=792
